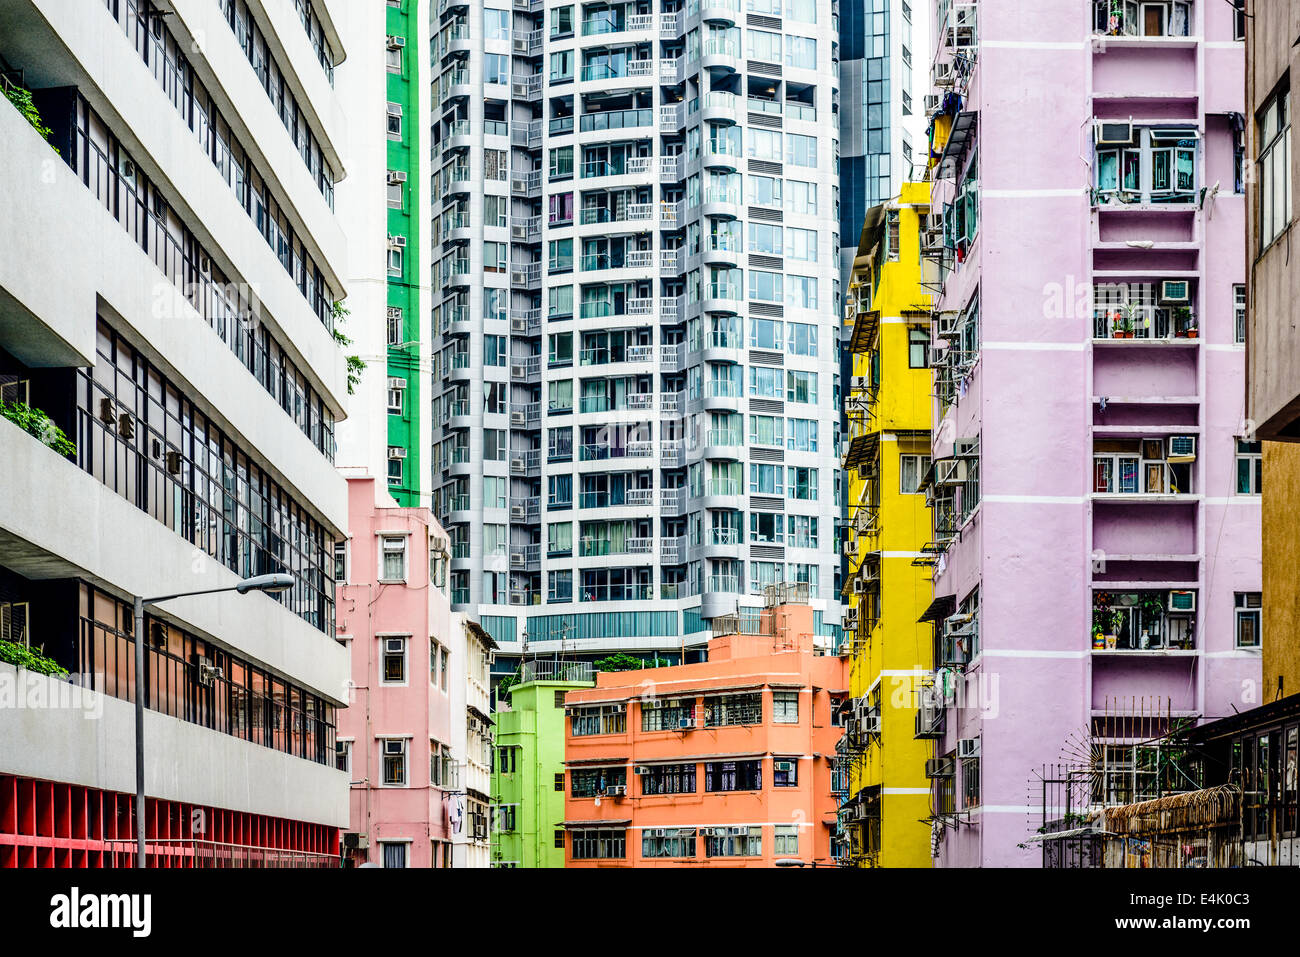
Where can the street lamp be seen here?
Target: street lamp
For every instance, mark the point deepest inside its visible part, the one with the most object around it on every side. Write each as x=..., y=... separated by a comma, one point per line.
x=271, y=584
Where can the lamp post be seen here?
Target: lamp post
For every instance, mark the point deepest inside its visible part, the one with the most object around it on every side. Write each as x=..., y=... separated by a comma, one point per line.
x=270, y=584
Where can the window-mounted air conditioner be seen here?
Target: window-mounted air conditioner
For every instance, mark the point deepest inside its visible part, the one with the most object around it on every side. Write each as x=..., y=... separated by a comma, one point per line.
x=1113, y=132
x=684, y=724
x=943, y=73
x=1182, y=601
x=1182, y=448
x=394, y=646
x=938, y=355
x=393, y=748
x=931, y=103
x=396, y=452
x=516, y=558
x=396, y=383
x=784, y=767
x=396, y=176
x=396, y=43
x=968, y=747
x=1175, y=291
x=641, y=769
x=397, y=242
x=517, y=464
x=938, y=767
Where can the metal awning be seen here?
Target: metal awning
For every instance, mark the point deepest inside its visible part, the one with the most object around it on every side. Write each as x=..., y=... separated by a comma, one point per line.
x=598, y=824
x=940, y=608
x=963, y=129
x=864, y=330
x=862, y=449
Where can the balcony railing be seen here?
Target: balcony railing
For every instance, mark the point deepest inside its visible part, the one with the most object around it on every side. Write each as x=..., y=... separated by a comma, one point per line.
x=616, y=120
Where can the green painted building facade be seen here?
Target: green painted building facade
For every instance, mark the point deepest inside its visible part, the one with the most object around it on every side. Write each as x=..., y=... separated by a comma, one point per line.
x=404, y=65
x=528, y=810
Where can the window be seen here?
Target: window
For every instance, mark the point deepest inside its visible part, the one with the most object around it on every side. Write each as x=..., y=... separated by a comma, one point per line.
x=785, y=840
x=496, y=24
x=343, y=756
x=496, y=68
x=393, y=57
x=669, y=715
x=764, y=191
x=667, y=842
x=394, y=853
x=594, y=782
x=918, y=349
x=393, y=751
x=598, y=719
x=395, y=392
x=801, y=338
x=395, y=121
x=801, y=52
x=340, y=562
x=559, y=587
x=1275, y=166
x=802, y=483
x=734, y=842
x=506, y=761
x=394, y=261
x=562, y=69
x=392, y=668
x=1250, y=467
x=395, y=325
x=396, y=192
x=785, y=707
x=395, y=471
x=970, y=782
x=800, y=150
x=801, y=244
x=760, y=45
x=801, y=387
x=590, y=844
x=800, y=198
x=911, y=469
x=392, y=561
x=1239, y=313
x=560, y=164
x=561, y=26
x=495, y=257
x=733, y=776
x=494, y=351
x=732, y=709
x=1249, y=613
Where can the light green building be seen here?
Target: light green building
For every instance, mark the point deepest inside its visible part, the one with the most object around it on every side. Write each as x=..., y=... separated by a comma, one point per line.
x=528, y=809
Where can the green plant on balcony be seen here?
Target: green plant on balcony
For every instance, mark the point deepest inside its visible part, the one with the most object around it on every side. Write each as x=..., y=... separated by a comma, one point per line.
x=36, y=423
x=356, y=365
x=21, y=656
x=22, y=101
x=622, y=662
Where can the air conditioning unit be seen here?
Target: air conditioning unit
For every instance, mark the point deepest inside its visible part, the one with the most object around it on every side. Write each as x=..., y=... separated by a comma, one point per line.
x=517, y=512
x=1182, y=601
x=943, y=74
x=968, y=747
x=174, y=463
x=859, y=586
x=396, y=43
x=397, y=242
x=656, y=832
x=394, y=748
x=616, y=790
x=932, y=102
x=949, y=471
x=352, y=841
x=395, y=383
x=516, y=558
x=517, y=465
x=517, y=418
x=1175, y=291
x=938, y=768
x=938, y=355
x=394, y=646
x=858, y=383
x=641, y=769
x=1113, y=132
x=715, y=831
x=945, y=323
x=616, y=708
x=738, y=831
x=784, y=767
x=518, y=325
x=684, y=724
x=396, y=452
x=396, y=176
x=1182, y=448
x=518, y=371
x=870, y=722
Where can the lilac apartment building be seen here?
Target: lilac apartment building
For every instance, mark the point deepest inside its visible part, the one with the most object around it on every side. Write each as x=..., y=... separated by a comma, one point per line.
x=1094, y=485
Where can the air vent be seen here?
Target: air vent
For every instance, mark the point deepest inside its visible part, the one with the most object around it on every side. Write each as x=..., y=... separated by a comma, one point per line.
x=766, y=310
x=766, y=119
x=762, y=215
x=759, y=358
x=773, y=552
x=762, y=22
x=761, y=454
x=759, y=68
x=765, y=167
x=758, y=261
x=766, y=503
x=768, y=406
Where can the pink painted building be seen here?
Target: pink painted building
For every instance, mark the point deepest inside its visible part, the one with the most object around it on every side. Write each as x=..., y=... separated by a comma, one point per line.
x=395, y=738
x=1096, y=509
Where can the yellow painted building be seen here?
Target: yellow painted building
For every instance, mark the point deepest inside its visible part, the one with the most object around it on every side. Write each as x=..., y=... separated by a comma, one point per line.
x=887, y=320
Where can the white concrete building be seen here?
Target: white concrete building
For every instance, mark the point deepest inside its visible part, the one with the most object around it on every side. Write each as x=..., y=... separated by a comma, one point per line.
x=166, y=298
x=471, y=725
x=636, y=378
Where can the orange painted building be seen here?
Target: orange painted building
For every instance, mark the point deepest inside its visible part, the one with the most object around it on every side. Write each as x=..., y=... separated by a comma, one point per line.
x=726, y=763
